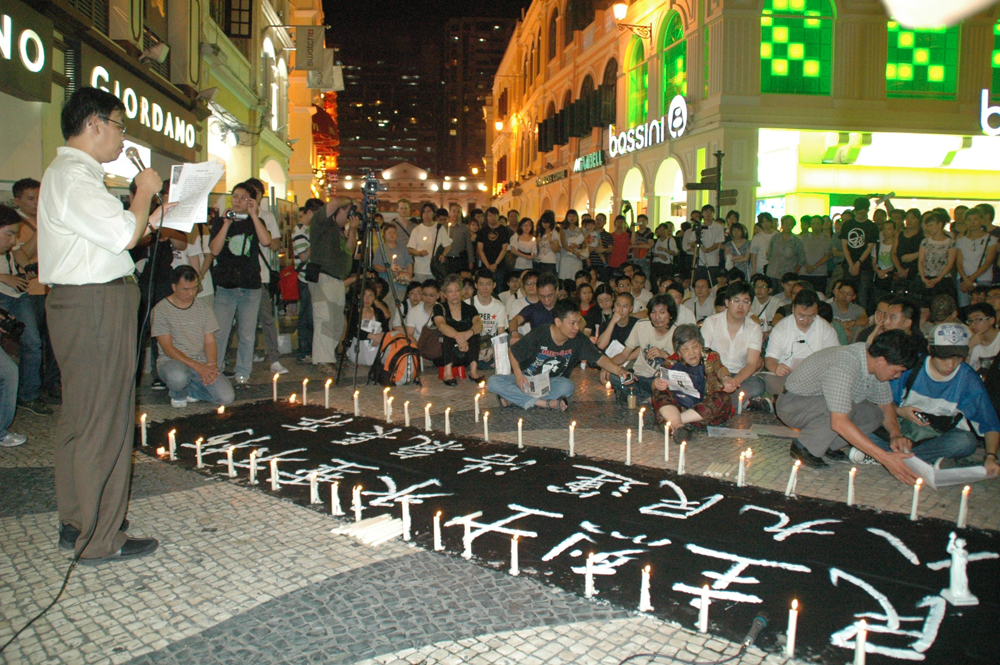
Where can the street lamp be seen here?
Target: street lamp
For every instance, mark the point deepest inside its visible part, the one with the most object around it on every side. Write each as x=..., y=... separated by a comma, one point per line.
x=498, y=125
x=620, y=9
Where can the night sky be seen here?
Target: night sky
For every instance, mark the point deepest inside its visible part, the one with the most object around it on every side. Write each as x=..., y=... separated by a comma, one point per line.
x=369, y=17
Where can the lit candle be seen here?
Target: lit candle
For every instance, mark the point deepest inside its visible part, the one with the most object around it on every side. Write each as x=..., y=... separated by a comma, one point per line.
x=666, y=442
x=572, y=436
x=447, y=421
x=305, y=391
x=963, y=508
x=739, y=409
x=588, y=578
x=520, y=433
x=703, y=610
x=275, y=485
x=161, y=451
x=476, y=402
x=513, y=557
x=326, y=393
x=222, y=409
x=916, y=499
x=142, y=430
x=628, y=447
x=860, y=642
x=642, y=415
x=749, y=454
x=793, y=478
x=385, y=401
x=274, y=388
x=197, y=453
x=356, y=503
x=357, y=407
x=644, y=604
x=680, y=458
x=253, y=467
x=427, y=417
x=607, y=386
x=741, y=474
x=793, y=622
x=850, y=485
x=172, y=444
x=482, y=385
x=437, y=532
x=486, y=425
x=406, y=518
x=229, y=461
x=291, y=400
x=406, y=412
x=388, y=413
x=314, y=487
x=335, y=508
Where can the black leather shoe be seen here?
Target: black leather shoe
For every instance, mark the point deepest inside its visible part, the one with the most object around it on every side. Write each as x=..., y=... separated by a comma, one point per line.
x=132, y=549
x=799, y=452
x=450, y=383
x=837, y=456
x=69, y=533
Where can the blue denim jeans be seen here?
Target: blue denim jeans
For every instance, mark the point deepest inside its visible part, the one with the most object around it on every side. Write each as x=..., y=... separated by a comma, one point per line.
x=243, y=306
x=184, y=382
x=506, y=386
x=30, y=366
x=952, y=444
x=8, y=392
x=305, y=323
x=51, y=377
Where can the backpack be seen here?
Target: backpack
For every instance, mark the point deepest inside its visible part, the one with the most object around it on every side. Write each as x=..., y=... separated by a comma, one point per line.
x=396, y=362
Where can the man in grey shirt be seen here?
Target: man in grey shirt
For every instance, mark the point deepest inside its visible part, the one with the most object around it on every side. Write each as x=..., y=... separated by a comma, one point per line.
x=462, y=252
x=785, y=252
x=838, y=396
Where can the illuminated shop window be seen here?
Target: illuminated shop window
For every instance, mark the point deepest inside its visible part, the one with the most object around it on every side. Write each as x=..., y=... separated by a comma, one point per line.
x=674, y=59
x=637, y=79
x=796, y=47
x=922, y=63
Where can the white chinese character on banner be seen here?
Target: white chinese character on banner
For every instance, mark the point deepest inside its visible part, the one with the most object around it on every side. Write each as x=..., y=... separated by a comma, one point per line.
x=680, y=508
x=355, y=438
x=426, y=447
x=586, y=486
x=718, y=589
x=315, y=424
x=497, y=464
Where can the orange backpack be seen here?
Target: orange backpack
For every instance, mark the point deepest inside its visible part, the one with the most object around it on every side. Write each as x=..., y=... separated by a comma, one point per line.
x=397, y=361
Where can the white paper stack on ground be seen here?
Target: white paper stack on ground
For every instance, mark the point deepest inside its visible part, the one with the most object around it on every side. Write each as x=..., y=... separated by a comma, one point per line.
x=730, y=433
x=779, y=431
x=935, y=477
x=373, y=531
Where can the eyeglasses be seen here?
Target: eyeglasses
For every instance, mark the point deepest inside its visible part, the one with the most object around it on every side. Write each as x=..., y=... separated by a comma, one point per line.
x=973, y=322
x=121, y=125
x=240, y=199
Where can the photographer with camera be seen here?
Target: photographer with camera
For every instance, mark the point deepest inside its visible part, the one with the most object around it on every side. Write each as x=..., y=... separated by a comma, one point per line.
x=333, y=235
x=705, y=238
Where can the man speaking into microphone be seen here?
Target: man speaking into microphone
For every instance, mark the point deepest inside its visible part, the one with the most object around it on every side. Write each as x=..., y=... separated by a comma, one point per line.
x=84, y=233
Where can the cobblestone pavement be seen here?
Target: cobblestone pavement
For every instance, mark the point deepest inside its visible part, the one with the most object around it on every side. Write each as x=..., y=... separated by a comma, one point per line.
x=242, y=577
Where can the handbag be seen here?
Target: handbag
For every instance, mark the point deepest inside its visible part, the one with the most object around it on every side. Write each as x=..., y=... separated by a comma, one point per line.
x=431, y=344
x=439, y=268
x=312, y=272
x=274, y=283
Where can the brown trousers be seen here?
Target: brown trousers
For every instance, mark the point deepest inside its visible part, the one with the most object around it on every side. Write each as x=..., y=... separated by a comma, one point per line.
x=93, y=331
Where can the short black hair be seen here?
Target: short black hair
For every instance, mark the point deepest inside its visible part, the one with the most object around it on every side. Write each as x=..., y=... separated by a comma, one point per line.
x=625, y=294
x=825, y=311
x=82, y=105
x=666, y=301
x=564, y=307
x=547, y=279
x=483, y=273
x=257, y=185
x=185, y=273
x=8, y=216
x=840, y=283
x=428, y=205
x=582, y=273
x=23, y=185
x=246, y=186
x=789, y=277
x=909, y=308
x=761, y=277
x=431, y=282
x=312, y=205
x=862, y=203
x=492, y=211
x=805, y=298
x=707, y=206
x=896, y=347
x=740, y=288
x=983, y=308
x=605, y=289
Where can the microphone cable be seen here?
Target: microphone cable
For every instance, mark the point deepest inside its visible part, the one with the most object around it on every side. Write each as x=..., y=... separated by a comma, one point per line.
x=100, y=497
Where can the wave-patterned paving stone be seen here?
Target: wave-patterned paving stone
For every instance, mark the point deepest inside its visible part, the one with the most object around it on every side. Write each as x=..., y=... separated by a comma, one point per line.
x=380, y=609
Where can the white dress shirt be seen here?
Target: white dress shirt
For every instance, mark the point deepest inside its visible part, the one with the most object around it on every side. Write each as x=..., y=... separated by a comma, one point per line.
x=83, y=229
x=790, y=346
x=732, y=350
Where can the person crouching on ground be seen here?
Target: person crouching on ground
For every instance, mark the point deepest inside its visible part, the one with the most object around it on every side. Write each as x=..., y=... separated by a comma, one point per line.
x=185, y=328
x=555, y=350
x=710, y=378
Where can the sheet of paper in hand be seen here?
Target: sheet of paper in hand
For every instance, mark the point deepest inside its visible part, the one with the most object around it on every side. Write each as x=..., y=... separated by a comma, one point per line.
x=614, y=348
x=679, y=381
x=371, y=326
x=500, y=357
x=936, y=477
x=190, y=185
x=538, y=385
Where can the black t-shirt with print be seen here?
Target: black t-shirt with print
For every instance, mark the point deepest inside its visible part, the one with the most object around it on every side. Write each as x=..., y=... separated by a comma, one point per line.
x=537, y=353
x=238, y=265
x=858, y=236
x=493, y=241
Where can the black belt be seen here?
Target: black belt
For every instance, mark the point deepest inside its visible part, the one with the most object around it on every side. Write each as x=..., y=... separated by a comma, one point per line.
x=127, y=279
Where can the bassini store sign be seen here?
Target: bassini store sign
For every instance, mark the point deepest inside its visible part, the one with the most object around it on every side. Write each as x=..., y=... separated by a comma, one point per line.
x=674, y=124
x=150, y=115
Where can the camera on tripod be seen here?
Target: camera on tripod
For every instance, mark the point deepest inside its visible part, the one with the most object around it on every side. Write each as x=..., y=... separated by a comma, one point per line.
x=372, y=186
x=9, y=325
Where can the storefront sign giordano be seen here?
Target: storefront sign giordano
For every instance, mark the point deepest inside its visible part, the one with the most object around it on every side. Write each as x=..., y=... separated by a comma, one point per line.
x=25, y=53
x=653, y=132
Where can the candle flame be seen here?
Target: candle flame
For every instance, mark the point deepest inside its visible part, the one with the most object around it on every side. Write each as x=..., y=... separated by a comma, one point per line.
x=438, y=514
x=230, y=449
x=386, y=391
x=742, y=394
x=795, y=605
x=642, y=410
x=447, y=409
x=647, y=570
x=705, y=589
x=743, y=457
x=798, y=463
x=143, y=417
x=684, y=444
x=173, y=431
x=305, y=381
x=222, y=409
x=161, y=451
x=482, y=384
x=966, y=490
x=515, y=537
x=863, y=625
x=573, y=424
x=200, y=439
x=427, y=408
x=607, y=386
x=275, y=379
x=328, y=383
x=253, y=454
x=486, y=414
x=854, y=471
x=291, y=400
x=356, y=392
x=920, y=481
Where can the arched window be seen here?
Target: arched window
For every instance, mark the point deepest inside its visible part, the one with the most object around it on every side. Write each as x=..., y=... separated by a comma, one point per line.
x=796, y=47
x=637, y=80
x=674, y=50
x=553, y=34
x=922, y=63
x=538, y=53
x=587, y=87
x=526, y=71
x=579, y=14
x=610, y=73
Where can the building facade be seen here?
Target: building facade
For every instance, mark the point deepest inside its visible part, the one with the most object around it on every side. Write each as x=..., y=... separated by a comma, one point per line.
x=418, y=186
x=809, y=102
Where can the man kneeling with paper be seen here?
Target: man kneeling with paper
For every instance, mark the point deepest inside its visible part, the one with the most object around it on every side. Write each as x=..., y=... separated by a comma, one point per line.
x=542, y=360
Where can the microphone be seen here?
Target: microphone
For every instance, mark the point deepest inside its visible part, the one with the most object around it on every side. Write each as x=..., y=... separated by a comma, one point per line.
x=133, y=156
x=758, y=625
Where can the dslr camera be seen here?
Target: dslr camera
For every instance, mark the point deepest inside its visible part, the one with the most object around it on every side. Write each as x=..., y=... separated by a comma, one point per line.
x=9, y=325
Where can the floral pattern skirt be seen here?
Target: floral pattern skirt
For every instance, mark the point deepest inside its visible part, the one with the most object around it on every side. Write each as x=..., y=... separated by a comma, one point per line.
x=714, y=409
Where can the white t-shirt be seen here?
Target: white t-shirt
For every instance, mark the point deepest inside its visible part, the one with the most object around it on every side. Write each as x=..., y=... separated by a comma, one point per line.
x=529, y=246
x=569, y=264
x=427, y=238
x=198, y=246
x=685, y=315
x=493, y=315
x=417, y=318
x=639, y=301
x=758, y=245
x=514, y=308
x=765, y=312
x=644, y=337
x=710, y=235
x=700, y=310
x=790, y=346
x=974, y=253
x=732, y=350
x=9, y=267
x=980, y=353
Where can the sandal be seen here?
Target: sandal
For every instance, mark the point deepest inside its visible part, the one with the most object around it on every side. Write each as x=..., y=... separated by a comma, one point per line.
x=504, y=403
x=562, y=402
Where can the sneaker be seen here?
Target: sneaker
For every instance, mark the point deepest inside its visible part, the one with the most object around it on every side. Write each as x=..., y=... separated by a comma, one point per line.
x=192, y=400
x=132, y=549
x=158, y=384
x=178, y=403
x=798, y=451
x=278, y=368
x=69, y=533
x=758, y=405
x=305, y=360
x=258, y=357
x=241, y=380
x=858, y=457
x=36, y=406
x=13, y=440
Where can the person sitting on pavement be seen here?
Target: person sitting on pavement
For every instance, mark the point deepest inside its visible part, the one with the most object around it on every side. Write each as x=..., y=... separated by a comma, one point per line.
x=795, y=338
x=649, y=344
x=838, y=396
x=538, y=313
x=494, y=317
x=599, y=316
x=418, y=317
x=738, y=340
x=555, y=350
x=764, y=304
x=850, y=314
x=877, y=319
x=707, y=377
x=984, y=344
x=619, y=327
x=185, y=328
x=684, y=314
x=942, y=403
x=702, y=304
x=903, y=314
x=460, y=327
